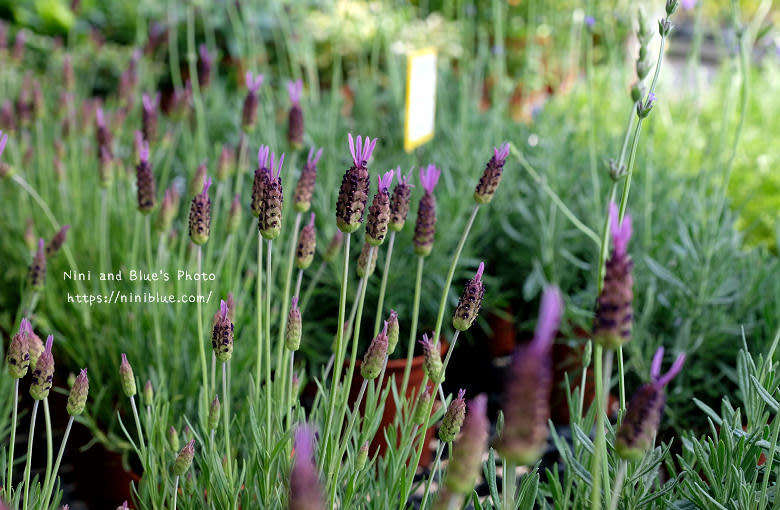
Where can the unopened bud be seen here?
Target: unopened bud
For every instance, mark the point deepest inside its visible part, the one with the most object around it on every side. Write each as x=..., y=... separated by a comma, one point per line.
x=77, y=398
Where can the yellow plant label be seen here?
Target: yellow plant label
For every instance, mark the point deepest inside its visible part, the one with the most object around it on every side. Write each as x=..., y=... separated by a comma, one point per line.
x=420, y=98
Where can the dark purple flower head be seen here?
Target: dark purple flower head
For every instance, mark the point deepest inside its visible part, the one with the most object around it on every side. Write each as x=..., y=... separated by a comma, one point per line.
x=264, y=157
x=363, y=153
x=655, y=368
x=385, y=181
x=253, y=82
x=313, y=157
x=294, y=89
x=621, y=232
x=150, y=103
x=550, y=312
x=429, y=177
x=57, y=241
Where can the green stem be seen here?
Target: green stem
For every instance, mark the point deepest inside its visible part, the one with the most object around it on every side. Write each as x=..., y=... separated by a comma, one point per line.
x=434, y=470
x=268, y=385
x=413, y=328
x=339, y=360
x=49, y=440
x=226, y=421
x=50, y=488
x=347, y=436
x=29, y=454
x=155, y=318
x=281, y=353
x=259, y=307
x=599, y=449
x=9, y=481
x=383, y=285
x=508, y=485
x=175, y=491
x=138, y=427
x=200, y=340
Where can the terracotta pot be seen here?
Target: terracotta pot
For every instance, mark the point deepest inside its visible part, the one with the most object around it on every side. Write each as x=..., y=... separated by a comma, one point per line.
x=504, y=337
x=395, y=370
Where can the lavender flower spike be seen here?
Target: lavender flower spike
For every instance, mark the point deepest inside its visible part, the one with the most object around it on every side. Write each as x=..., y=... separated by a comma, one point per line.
x=470, y=302
x=305, y=490
x=353, y=193
x=3, y=141
x=528, y=386
x=453, y=418
x=379, y=212
x=399, y=202
x=249, y=111
x=292, y=334
x=432, y=364
x=200, y=215
x=375, y=356
x=614, y=308
x=145, y=185
x=77, y=398
x=204, y=66
x=468, y=450
x=44, y=373
x=261, y=180
x=126, y=376
x=491, y=177
x=305, y=187
x=295, y=117
x=307, y=245
x=270, y=218
x=644, y=412
x=149, y=116
x=222, y=335
x=37, y=273
x=57, y=241
x=18, y=355
x=425, y=226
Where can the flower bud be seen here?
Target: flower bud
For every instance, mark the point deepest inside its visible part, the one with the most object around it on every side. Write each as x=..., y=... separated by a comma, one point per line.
x=375, y=356
x=198, y=179
x=432, y=363
x=393, y=332
x=425, y=227
x=234, y=216
x=249, y=111
x=305, y=187
x=470, y=302
x=362, y=457
x=123, y=506
x=106, y=167
x=200, y=216
x=292, y=334
x=57, y=241
x=127, y=378
x=614, y=307
x=467, y=452
x=222, y=335
x=29, y=236
x=420, y=410
x=213, y=420
x=307, y=245
x=77, y=398
x=173, y=439
x=43, y=374
x=37, y=274
x=184, y=459
x=366, y=267
x=334, y=247
x=643, y=109
x=491, y=177
x=149, y=115
x=148, y=393
x=204, y=66
x=146, y=189
x=353, y=193
x=18, y=355
x=295, y=117
x=453, y=418
x=399, y=202
x=226, y=163
x=168, y=208
x=643, y=414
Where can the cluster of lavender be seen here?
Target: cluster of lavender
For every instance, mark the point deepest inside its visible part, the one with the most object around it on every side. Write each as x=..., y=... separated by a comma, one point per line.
x=27, y=353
